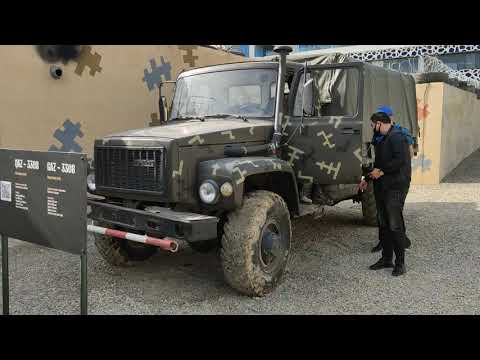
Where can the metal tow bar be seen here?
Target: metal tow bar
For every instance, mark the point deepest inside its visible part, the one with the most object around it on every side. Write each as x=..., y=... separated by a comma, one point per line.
x=167, y=244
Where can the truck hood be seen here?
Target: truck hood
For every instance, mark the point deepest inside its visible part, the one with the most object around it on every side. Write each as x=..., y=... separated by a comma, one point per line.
x=208, y=132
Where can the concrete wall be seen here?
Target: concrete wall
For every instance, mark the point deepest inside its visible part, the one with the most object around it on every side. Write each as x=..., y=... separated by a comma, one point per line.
x=106, y=90
x=460, y=127
x=449, y=122
x=426, y=165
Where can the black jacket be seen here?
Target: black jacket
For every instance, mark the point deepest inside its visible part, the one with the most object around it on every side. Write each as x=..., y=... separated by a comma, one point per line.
x=392, y=156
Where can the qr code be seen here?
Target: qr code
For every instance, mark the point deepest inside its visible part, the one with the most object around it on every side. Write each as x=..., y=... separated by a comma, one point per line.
x=6, y=191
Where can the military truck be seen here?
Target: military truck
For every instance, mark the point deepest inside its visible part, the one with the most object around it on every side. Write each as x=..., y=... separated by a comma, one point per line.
x=243, y=144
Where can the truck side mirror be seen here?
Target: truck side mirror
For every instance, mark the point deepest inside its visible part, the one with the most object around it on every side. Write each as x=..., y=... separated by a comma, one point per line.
x=162, y=102
x=162, y=105
x=307, y=102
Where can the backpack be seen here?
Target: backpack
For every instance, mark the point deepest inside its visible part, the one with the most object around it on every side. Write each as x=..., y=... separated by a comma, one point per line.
x=377, y=139
x=405, y=133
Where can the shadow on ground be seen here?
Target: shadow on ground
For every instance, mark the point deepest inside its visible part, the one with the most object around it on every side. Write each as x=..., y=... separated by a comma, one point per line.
x=468, y=171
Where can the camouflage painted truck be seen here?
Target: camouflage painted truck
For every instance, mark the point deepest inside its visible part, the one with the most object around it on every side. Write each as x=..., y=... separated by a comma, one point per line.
x=247, y=146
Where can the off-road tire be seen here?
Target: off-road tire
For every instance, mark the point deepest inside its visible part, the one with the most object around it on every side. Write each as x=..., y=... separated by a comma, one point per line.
x=241, y=243
x=120, y=252
x=369, y=206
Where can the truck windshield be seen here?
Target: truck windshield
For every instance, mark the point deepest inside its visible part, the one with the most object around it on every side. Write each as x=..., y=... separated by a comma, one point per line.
x=245, y=93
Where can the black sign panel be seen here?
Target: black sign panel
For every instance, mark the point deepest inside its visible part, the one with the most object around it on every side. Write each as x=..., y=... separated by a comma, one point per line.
x=43, y=198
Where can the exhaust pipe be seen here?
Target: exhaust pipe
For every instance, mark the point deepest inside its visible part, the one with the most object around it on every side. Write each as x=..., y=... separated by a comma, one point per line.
x=283, y=51
x=167, y=244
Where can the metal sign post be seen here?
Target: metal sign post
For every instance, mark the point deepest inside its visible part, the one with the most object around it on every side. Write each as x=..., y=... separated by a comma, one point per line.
x=43, y=200
x=5, y=289
x=83, y=284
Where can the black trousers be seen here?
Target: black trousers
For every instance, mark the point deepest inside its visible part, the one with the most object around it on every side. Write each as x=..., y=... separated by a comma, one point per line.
x=390, y=203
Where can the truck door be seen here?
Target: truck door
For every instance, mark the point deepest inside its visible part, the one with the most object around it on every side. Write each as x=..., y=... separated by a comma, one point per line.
x=324, y=145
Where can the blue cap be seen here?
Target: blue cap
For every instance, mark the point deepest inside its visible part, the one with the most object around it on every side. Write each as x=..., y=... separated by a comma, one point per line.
x=386, y=109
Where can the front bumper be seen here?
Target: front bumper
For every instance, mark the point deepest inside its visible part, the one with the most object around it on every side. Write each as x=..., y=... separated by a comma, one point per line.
x=166, y=222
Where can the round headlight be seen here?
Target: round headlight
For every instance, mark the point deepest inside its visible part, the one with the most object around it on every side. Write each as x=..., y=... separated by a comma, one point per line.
x=91, y=182
x=208, y=192
x=226, y=189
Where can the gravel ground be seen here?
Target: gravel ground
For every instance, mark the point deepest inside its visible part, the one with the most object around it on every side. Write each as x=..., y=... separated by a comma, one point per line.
x=328, y=273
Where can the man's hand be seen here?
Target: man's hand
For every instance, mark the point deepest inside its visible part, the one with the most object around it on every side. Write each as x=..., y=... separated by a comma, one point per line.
x=376, y=173
x=363, y=185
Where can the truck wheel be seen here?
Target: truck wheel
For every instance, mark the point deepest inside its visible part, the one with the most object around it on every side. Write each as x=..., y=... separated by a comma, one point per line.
x=120, y=252
x=256, y=243
x=369, y=206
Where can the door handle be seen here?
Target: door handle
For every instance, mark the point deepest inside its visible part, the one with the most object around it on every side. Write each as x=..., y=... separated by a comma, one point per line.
x=350, y=131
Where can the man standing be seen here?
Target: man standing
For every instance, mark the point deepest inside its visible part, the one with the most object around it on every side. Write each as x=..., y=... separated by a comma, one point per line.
x=377, y=138
x=391, y=179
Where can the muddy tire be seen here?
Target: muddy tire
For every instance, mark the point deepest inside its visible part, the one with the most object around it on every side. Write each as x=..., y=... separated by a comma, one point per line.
x=119, y=252
x=256, y=244
x=369, y=206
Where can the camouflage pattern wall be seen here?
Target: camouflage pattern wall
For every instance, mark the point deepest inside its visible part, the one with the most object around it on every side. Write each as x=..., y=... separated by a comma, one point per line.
x=49, y=103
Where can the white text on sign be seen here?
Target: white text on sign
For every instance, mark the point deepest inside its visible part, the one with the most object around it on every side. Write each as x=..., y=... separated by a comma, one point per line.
x=51, y=166
x=68, y=168
x=31, y=164
x=18, y=164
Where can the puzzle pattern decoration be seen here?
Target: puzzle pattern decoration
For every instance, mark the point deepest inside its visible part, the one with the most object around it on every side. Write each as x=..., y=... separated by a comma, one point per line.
x=196, y=139
x=189, y=58
x=326, y=139
x=155, y=120
x=178, y=172
x=241, y=174
x=330, y=168
x=334, y=121
x=229, y=133
x=153, y=78
x=294, y=155
x=421, y=162
x=67, y=137
x=303, y=177
x=358, y=154
x=87, y=59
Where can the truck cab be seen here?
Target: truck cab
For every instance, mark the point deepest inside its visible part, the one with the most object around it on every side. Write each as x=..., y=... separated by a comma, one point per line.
x=242, y=143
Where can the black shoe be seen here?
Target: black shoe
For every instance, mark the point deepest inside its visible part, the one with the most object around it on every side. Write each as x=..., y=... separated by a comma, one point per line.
x=377, y=248
x=381, y=264
x=399, y=270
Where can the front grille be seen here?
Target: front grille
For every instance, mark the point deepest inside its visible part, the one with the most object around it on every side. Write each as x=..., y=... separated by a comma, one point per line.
x=130, y=169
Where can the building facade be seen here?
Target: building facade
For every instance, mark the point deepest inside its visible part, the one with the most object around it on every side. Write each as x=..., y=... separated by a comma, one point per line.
x=461, y=59
x=266, y=50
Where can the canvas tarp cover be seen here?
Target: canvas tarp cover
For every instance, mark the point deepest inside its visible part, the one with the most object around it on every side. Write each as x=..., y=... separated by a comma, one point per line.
x=326, y=82
x=380, y=87
x=392, y=88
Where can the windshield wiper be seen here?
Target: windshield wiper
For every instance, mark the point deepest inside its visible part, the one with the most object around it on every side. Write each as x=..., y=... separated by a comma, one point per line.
x=221, y=115
x=201, y=118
